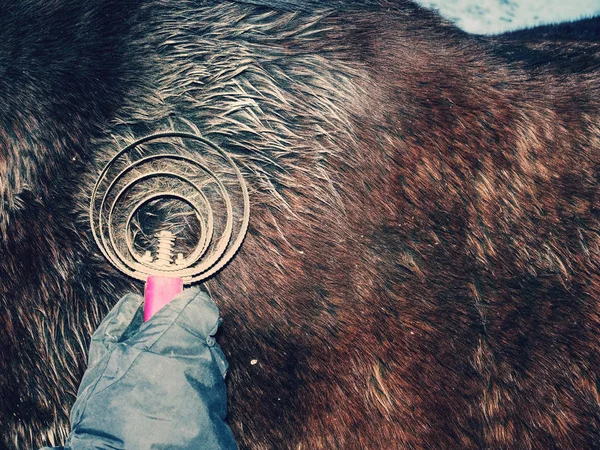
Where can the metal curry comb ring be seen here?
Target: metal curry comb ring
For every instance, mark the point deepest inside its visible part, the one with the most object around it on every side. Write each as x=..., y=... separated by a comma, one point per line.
x=186, y=175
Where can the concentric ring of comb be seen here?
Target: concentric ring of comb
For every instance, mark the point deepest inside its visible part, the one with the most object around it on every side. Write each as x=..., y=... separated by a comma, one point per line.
x=185, y=175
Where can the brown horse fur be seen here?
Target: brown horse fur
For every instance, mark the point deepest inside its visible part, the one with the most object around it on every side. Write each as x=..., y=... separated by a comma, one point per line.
x=422, y=265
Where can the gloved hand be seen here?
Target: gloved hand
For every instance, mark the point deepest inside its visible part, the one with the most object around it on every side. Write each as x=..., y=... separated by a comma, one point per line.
x=154, y=385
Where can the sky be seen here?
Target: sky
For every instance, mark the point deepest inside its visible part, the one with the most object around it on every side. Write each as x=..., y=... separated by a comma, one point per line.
x=496, y=16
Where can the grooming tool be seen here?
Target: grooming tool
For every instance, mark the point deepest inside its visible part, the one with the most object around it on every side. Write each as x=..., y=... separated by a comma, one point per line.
x=187, y=176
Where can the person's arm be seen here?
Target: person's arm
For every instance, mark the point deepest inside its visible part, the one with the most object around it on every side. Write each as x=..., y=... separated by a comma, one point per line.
x=158, y=384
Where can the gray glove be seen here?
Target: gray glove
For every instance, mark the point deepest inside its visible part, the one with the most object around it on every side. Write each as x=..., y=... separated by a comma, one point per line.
x=154, y=385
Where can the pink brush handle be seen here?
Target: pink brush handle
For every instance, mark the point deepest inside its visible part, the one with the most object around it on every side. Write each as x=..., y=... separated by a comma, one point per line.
x=160, y=291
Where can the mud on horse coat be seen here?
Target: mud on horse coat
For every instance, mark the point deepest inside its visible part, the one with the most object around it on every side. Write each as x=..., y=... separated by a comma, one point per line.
x=422, y=265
